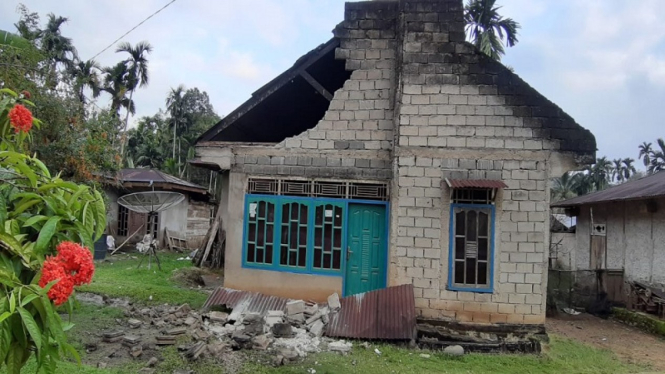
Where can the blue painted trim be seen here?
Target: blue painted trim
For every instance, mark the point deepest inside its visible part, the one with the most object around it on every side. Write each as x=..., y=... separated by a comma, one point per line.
x=309, y=268
x=451, y=238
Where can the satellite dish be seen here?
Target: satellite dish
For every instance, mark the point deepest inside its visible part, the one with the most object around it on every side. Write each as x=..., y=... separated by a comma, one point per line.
x=150, y=202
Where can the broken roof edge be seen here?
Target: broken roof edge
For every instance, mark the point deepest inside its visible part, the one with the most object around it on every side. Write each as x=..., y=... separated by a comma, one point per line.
x=269, y=88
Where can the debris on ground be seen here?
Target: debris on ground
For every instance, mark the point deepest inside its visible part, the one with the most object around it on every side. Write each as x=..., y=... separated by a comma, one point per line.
x=286, y=334
x=454, y=350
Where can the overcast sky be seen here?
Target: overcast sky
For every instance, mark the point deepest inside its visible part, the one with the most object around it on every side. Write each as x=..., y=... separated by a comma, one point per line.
x=602, y=61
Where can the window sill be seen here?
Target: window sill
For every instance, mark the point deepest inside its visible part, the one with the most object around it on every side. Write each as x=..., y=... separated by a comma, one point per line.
x=277, y=269
x=470, y=289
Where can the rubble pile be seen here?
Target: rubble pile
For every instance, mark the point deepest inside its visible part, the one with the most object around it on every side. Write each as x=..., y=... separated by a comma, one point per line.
x=286, y=334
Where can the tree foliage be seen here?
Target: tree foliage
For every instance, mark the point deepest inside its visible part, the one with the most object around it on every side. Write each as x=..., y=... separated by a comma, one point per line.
x=487, y=28
x=37, y=211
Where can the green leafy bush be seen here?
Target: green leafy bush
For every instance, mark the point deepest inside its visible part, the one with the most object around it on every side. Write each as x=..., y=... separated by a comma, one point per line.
x=37, y=212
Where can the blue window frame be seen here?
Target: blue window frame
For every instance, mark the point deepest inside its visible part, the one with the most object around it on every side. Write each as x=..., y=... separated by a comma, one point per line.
x=471, y=248
x=302, y=235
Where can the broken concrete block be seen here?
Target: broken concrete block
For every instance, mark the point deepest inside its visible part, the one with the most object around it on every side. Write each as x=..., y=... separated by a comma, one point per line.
x=313, y=318
x=177, y=331
x=252, y=318
x=195, y=350
x=296, y=318
x=295, y=307
x=275, y=313
x=134, y=323
x=216, y=348
x=218, y=316
x=311, y=309
x=136, y=351
x=152, y=362
x=317, y=328
x=333, y=302
x=282, y=330
x=184, y=308
x=131, y=340
x=340, y=346
x=272, y=320
x=112, y=336
x=165, y=340
x=200, y=335
x=190, y=321
x=325, y=315
x=261, y=342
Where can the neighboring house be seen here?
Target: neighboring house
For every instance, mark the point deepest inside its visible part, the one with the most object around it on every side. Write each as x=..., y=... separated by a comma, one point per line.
x=395, y=153
x=189, y=219
x=621, y=228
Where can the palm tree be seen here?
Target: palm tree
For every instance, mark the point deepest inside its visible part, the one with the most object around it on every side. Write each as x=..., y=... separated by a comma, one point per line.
x=657, y=158
x=137, y=64
x=486, y=27
x=617, y=169
x=645, y=153
x=58, y=49
x=628, y=168
x=115, y=83
x=174, y=104
x=85, y=75
x=564, y=187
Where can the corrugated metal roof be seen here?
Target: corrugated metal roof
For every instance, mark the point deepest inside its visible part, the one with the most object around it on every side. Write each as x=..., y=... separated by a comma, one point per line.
x=245, y=301
x=388, y=314
x=155, y=176
x=475, y=183
x=643, y=188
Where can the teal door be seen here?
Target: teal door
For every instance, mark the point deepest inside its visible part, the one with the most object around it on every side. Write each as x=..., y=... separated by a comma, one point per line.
x=366, y=252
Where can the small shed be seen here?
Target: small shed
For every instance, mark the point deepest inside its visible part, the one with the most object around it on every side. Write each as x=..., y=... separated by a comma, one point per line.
x=189, y=219
x=620, y=230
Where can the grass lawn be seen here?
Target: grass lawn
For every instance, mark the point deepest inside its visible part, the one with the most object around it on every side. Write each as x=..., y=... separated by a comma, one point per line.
x=560, y=356
x=119, y=277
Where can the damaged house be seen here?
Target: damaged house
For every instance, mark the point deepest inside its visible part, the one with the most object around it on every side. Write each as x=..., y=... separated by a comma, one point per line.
x=395, y=153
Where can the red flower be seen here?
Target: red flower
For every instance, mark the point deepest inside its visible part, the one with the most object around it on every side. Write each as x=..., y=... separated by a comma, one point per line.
x=26, y=94
x=20, y=118
x=72, y=266
x=77, y=261
x=51, y=271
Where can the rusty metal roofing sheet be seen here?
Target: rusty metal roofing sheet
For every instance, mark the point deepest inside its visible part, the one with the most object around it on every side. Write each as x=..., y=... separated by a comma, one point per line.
x=475, y=183
x=643, y=188
x=245, y=301
x=388, y=314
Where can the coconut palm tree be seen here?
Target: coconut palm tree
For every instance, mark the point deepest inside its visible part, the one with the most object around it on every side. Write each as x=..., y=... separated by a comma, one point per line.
x=486, y=27
x=564, y=187
x=137, y=64
x=85, y=75
x=645, y=153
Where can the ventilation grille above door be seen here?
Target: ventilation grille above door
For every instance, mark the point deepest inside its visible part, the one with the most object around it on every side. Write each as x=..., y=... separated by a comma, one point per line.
x=319, y=188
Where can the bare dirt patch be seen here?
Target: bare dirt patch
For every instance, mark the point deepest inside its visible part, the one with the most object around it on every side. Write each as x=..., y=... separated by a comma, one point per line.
x=628, y=343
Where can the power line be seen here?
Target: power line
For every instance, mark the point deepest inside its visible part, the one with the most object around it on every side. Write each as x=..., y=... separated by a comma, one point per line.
x=132, y=29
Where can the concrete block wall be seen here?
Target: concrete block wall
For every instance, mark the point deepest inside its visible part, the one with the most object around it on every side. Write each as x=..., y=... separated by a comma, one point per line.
x=463, y=116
